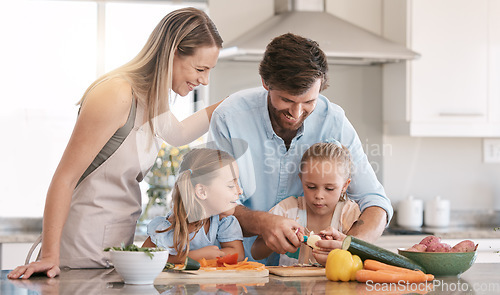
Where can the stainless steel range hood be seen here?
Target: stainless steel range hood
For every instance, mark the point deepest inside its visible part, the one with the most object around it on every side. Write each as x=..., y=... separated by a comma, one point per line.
x=342, y=42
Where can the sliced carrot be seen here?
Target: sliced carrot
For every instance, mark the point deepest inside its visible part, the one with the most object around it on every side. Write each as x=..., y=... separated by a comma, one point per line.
x=203, y=262
x=387, y=276
x=242, y=265
x=211, y=262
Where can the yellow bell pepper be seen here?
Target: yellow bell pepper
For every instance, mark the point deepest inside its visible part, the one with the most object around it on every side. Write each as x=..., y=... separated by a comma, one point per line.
x=341, y=265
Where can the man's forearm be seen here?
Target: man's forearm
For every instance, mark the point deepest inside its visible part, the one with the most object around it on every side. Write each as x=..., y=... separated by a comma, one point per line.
x=250, y=221
x=370, y=225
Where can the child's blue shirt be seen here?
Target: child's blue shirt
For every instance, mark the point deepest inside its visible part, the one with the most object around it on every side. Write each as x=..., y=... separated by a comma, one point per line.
x=224, y=230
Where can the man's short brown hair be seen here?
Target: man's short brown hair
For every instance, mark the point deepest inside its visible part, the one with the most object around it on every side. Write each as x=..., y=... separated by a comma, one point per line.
x=293, y=63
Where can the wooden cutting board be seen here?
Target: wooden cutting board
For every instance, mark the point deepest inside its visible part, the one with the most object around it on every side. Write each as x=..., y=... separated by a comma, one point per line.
x=297, y=271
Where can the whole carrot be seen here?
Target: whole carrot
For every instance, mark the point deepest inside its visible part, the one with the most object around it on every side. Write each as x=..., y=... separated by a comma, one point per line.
x=387, y=276
x=371, y=264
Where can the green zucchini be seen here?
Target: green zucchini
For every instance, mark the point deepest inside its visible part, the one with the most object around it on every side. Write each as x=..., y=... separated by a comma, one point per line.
x=366, y=250
x=189, y=264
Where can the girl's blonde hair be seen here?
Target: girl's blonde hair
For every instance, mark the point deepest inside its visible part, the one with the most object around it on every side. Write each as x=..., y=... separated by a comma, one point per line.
x=150, y=72
x=198, y=166
x=330, y=151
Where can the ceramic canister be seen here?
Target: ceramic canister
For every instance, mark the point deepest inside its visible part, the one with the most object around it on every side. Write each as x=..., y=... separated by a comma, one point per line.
x=437, y=212
x=410, y=212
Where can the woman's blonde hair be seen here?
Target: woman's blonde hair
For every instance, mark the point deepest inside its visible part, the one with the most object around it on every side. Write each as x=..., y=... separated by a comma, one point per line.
x=331, y=151
x=198, y=166
x=150, y=72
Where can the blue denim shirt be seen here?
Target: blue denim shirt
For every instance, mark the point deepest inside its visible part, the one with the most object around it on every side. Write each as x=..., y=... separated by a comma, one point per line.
x=268, y=171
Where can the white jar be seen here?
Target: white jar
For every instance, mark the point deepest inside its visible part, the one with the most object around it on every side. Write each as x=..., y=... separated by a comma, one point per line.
x=437, y=212
x=410, y=212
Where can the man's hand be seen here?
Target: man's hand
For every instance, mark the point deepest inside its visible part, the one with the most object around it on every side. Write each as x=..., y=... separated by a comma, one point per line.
x=279, y=233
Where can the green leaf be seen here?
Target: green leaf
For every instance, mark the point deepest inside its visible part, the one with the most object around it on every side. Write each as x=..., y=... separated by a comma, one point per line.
x=134, y=248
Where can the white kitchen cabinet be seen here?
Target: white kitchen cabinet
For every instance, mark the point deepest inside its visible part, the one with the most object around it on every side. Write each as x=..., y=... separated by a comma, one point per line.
x=454, y=88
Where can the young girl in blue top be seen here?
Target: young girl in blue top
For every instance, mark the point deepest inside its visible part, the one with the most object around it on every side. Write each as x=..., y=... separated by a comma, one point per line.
x=204, y=198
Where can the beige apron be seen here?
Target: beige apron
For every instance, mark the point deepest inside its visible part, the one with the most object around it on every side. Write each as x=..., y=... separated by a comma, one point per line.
x=107, y=203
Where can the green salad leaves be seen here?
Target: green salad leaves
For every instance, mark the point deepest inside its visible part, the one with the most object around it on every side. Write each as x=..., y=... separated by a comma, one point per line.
x=134, y=248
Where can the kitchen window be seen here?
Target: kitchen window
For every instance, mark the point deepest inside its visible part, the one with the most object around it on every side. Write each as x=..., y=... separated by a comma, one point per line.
x=51, y=52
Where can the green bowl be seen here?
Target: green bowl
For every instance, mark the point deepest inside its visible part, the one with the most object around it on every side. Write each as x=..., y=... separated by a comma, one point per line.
x=442, y=264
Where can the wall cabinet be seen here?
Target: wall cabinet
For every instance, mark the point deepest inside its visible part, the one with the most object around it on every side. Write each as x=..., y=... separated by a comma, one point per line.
x=454, y=88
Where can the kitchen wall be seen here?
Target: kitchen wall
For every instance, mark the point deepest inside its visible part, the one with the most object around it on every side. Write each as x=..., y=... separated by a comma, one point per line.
x=356, y=88
x=449, y=167
x=423, y=167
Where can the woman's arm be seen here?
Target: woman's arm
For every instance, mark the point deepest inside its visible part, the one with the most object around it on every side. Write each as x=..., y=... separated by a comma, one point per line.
x=232, y=247
x=105, y=110
x=210, y=109
x=260, y=249
x=180, y=133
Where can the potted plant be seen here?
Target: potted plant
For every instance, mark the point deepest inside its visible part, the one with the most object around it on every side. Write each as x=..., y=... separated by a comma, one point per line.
x=161, y=179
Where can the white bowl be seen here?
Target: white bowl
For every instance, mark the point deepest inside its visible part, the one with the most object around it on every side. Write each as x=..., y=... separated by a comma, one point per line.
x=138, y=267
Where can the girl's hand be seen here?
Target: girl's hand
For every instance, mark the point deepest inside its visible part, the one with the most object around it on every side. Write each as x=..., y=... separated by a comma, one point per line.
x=332, y=239
x=208, y=252
x=300, y=232
x=43, y=266
x=333, y=235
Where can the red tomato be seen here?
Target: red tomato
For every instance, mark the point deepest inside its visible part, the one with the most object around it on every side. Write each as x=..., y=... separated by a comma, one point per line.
x=228, y=259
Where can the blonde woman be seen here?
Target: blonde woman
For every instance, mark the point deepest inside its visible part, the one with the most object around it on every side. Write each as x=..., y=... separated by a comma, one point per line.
x=94, y=199
x=201, y=224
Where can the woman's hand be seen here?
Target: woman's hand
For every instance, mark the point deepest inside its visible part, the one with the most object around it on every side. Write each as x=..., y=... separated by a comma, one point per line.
x=332, y=239
x=280, y=234
x=47, y=266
